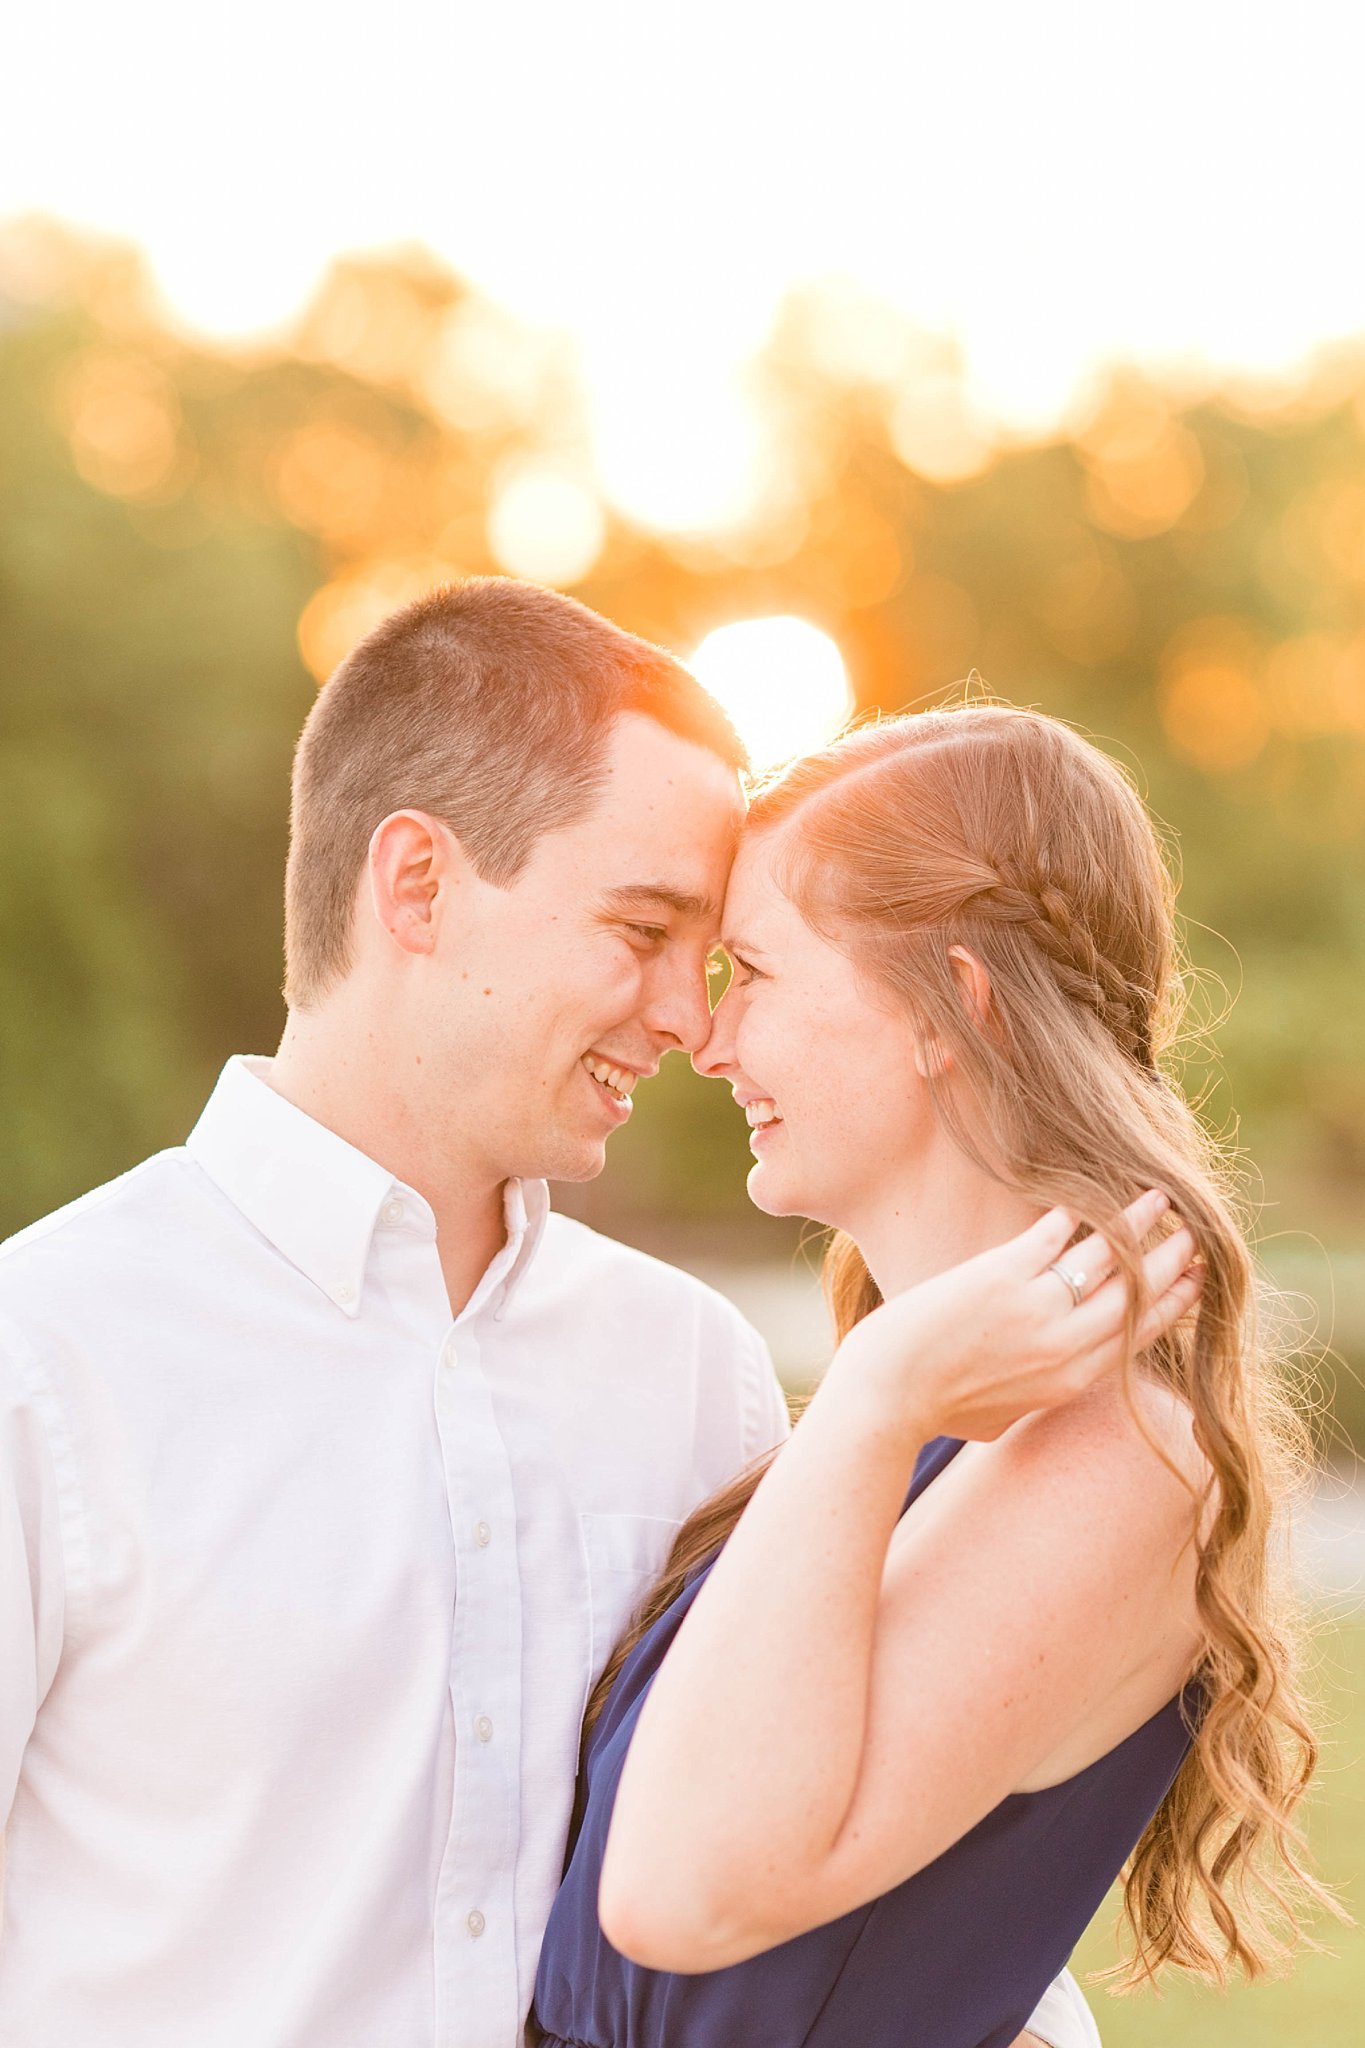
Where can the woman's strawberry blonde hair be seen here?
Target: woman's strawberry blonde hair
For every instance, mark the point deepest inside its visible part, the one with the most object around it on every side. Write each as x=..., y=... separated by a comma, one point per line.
x=1003, y=831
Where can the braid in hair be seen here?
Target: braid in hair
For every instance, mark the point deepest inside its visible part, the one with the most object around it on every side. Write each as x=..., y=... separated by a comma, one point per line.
x=1038, y=907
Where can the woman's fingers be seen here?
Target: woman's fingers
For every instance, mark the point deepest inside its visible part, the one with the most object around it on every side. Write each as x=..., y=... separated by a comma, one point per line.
x=1168, y=1260
x=1045, y=1240
x=1090, y=1262
x=1092, y=1328
x=1172, y=1285
x=1177, y=1301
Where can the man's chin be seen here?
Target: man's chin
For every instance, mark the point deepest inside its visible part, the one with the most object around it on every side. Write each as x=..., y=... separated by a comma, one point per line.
x=571, y=1159
x=581, y=1169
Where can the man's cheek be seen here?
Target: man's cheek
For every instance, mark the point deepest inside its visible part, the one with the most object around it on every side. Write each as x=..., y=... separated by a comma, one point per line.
x=628, y=992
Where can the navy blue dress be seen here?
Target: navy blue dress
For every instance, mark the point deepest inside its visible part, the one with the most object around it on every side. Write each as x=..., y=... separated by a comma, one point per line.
x=956, y=1957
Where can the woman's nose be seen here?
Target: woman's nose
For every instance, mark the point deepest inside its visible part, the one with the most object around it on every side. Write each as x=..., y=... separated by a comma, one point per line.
x=717, y=1053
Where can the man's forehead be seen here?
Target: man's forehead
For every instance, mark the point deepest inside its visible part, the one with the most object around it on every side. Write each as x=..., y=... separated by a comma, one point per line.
x=655, y=782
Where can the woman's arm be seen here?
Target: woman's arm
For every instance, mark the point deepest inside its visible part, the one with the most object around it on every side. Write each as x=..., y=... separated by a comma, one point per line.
x=838, y=1707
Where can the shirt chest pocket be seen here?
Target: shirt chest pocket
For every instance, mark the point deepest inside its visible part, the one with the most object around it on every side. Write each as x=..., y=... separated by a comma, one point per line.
x=625, y=1555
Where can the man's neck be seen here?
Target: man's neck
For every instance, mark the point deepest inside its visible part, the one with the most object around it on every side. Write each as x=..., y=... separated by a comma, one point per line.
x=322, y=1073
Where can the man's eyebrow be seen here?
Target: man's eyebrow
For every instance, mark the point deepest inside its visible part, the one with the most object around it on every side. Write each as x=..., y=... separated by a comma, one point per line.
x=656, y=895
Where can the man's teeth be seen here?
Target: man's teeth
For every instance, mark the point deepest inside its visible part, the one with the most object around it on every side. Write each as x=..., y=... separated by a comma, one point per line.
x=620, y=1080
x=761, y=1114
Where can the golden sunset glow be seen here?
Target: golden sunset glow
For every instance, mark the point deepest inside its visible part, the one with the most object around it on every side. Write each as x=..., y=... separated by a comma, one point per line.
x=1058, y=243
x=782, y=681
x=545, y=523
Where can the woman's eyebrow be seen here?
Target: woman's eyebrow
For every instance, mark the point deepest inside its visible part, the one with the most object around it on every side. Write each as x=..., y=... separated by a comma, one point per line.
x=743, y=946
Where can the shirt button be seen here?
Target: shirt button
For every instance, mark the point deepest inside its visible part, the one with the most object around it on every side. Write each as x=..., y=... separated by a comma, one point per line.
x=392, y=1211
x=345, y=1292
x=476, y=1924
x=483, y=1728
x=484, y=1534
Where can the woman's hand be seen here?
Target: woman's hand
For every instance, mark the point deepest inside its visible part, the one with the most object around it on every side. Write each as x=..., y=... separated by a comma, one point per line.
x=969, y=1352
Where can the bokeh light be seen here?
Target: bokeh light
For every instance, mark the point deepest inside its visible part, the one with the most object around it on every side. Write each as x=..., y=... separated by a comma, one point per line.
x=1210, y=694
x=782, y=681
x=545, y=524
x=339, y=615
x=122, y=417
x=1146, y=468
x=680, y=451
x=329, y=479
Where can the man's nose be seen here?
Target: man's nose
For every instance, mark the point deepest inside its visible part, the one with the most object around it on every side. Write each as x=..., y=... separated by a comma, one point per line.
x=682, y=1010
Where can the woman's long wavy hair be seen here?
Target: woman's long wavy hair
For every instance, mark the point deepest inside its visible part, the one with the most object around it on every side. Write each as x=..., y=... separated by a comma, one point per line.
x=1004, y=832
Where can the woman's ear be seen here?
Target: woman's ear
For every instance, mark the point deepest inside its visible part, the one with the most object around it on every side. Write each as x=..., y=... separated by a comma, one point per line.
x=932, y=1057
x=973, y=985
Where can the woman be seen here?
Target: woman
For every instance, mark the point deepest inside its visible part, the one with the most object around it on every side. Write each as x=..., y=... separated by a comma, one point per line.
x=863, y=1777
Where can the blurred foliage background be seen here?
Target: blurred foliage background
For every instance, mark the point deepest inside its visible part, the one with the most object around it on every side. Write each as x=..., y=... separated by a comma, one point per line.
x=193, y=535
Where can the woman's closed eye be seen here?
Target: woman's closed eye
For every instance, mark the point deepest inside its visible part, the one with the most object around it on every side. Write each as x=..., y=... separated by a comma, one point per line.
x=744, y=972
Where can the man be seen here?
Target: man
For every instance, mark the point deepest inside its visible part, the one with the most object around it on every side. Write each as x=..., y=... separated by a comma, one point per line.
x=332, y=1464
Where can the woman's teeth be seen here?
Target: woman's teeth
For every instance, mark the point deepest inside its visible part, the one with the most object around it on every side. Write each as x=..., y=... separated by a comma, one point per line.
x=761, y=1114
x=619, y=1080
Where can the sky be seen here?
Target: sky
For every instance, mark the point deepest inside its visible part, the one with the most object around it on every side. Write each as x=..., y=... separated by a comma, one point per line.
x=1057, y=188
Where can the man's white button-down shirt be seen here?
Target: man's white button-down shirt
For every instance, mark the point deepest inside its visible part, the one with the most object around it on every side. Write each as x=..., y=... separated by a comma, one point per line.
x=304, y=1584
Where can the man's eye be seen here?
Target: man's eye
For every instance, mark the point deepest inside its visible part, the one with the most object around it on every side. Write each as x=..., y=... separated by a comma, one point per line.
x=655, y=933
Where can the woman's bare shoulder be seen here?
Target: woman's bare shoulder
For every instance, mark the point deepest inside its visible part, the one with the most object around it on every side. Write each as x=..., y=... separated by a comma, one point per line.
x=1136, y=1433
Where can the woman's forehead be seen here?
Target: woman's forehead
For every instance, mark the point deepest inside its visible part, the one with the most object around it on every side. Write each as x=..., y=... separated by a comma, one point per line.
x=755, y=901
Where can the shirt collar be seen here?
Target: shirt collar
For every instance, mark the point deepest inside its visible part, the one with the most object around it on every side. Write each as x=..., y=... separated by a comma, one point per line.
x=525, y=1206
x=317, y=1199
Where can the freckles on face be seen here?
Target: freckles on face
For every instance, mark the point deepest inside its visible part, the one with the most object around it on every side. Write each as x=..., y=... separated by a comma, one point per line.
x=835, y=1057
x=844, y=1082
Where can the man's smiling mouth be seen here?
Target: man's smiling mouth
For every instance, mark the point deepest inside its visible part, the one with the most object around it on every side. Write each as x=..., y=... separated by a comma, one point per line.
x=617, y=1081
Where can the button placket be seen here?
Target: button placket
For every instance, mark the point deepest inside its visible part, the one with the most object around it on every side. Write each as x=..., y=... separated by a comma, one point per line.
x=478, y=1974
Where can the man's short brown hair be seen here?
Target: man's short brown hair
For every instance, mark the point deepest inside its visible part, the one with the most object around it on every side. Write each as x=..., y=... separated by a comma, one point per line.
x=488, y=704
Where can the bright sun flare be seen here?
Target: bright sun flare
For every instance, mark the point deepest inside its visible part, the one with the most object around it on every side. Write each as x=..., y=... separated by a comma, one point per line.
x=782, y=681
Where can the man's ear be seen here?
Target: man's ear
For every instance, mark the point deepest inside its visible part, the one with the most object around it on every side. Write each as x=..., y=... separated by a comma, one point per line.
x=932, y=1057
x=414, y=863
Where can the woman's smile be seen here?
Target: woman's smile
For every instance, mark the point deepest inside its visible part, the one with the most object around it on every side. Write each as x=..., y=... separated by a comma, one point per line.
x=763, y=1118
